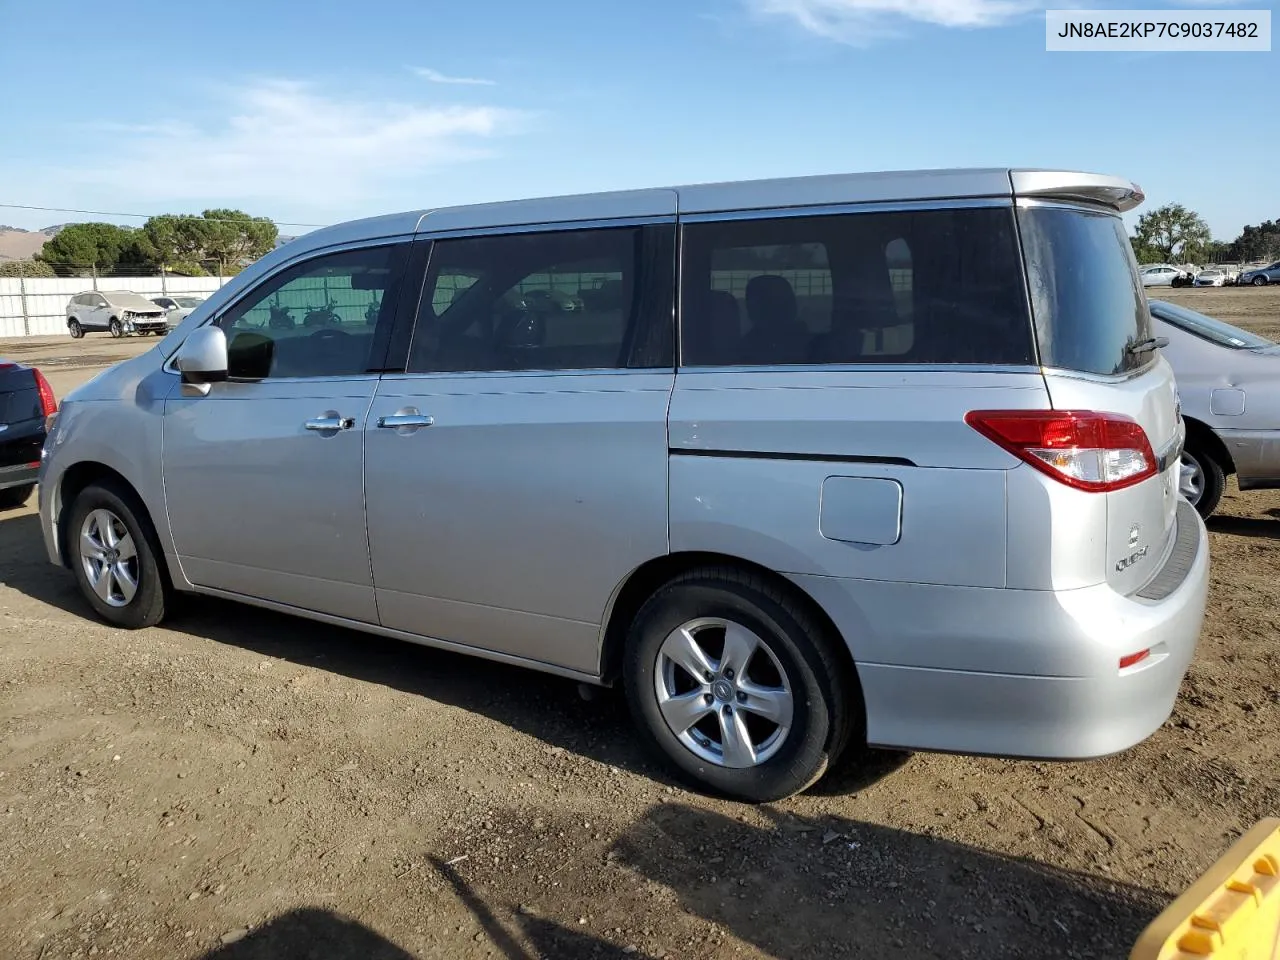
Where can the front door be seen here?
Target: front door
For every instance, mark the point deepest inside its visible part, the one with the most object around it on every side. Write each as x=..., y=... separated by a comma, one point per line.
x=264, y=475
x=518, y=471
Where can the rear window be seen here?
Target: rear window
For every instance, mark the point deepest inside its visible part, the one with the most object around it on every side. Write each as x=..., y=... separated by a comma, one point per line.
x=903, y=287
x=1086, y=297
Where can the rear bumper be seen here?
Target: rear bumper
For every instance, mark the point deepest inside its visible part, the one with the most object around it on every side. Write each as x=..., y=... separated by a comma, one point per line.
x=18, y=476
x=1019, y=673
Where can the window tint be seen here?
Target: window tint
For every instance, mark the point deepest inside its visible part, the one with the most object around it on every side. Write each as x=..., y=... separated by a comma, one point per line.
x=1085, y=294
x=935, y=286
x=569, y=300
x=316, y=319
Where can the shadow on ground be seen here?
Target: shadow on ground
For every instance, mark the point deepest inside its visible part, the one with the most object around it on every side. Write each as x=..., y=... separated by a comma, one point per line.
x=830, y=886
x=542, y=706
x=689, y=882
x=310, y=934
x=1247, y=526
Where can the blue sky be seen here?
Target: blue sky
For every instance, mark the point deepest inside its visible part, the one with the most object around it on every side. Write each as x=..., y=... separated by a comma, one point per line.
x=317, y=112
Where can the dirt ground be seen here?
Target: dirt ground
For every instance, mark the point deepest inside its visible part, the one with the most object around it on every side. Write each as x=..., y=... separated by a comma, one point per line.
x=241, y=786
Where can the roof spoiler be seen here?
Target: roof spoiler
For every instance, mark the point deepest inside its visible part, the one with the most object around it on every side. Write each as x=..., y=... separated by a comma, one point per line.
x=1114, y=192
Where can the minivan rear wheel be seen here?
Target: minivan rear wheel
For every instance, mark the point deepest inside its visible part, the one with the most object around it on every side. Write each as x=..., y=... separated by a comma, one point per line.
x=1201, y=480
x=736, y=686
x=74, y=328
x=115, y=556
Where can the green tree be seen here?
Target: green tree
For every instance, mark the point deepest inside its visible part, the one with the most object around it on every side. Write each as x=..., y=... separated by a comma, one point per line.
x=231, y=236
x=1257, y=243
x=1172, y=232
x=86, y=245
x=175, y=239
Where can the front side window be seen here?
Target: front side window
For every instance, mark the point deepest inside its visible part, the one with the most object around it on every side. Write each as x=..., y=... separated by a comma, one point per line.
x=316, y=319
x=904, y=287
x=564, y=300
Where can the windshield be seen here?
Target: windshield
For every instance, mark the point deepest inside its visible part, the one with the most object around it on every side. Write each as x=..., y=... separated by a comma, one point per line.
x=1085, y=292
x=1220, y=333
x=188, y=301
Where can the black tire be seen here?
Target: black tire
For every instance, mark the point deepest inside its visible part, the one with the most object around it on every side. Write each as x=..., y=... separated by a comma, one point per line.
x=13, y=497
x=1213, y=480
x=826, y=703
x=116, y=328
x=147, y=606
x=74, y=328
x=1259, y=281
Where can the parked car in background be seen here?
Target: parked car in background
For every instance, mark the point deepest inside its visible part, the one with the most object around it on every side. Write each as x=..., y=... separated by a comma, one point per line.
x=1212, y=277
x=118, y=312
x=26, y=402
x=1261, y=276
x=177, y=308
x=1229, y=387
x=1161, y=275
x=837, y=505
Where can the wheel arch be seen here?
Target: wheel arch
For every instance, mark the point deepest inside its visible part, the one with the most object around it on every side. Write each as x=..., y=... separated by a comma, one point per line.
x=631, y=594
x=76, y=478
x=1202, y=435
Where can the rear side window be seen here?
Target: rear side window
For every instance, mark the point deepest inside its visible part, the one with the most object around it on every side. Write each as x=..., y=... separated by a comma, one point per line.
x=562, y=300
x=1086, y=297
x=929, y=286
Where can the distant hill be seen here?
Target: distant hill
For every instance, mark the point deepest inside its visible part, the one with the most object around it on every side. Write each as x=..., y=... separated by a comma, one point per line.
x=19, y=244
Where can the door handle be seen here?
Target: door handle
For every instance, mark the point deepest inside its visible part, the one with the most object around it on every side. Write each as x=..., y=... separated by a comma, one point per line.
x=399, y=421
x=330, y=424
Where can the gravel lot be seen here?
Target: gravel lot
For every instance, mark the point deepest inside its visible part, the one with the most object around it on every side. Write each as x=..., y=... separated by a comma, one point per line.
x=243, y=785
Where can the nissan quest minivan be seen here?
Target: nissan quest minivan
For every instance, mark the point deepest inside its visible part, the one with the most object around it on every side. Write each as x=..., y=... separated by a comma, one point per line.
x=885, y=459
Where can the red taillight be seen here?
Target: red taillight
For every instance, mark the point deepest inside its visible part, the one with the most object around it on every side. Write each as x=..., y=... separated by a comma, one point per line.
x=48, y=402
x=1134, y=658
x=1081, y=448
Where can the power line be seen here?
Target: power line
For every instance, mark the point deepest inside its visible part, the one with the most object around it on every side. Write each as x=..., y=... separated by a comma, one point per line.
x=145, y=216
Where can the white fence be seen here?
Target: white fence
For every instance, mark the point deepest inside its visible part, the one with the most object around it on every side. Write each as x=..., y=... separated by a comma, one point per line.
x=37, y=306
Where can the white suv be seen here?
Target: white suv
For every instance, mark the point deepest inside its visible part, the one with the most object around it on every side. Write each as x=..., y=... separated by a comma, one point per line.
x=117, y=312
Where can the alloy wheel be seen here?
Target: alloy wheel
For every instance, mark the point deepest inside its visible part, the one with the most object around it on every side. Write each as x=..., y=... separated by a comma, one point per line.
x=723, y=692
x=1191, y=479
x=109, y=557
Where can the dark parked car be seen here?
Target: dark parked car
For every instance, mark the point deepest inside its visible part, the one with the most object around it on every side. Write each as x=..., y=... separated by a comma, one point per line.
x=26, y=402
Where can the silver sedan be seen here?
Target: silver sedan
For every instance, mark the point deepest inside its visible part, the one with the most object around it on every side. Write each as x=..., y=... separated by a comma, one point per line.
x=1229, y=385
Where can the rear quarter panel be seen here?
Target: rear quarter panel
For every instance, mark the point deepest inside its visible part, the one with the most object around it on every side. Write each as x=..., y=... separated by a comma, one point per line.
x=751, y=453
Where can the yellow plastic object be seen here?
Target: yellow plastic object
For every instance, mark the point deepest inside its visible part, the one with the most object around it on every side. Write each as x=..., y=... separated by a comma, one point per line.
x=1231, y=913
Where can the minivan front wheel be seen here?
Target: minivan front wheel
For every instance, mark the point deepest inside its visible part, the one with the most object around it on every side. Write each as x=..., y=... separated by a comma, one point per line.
x=114, y=557
x=736, y=686
x=116, y=328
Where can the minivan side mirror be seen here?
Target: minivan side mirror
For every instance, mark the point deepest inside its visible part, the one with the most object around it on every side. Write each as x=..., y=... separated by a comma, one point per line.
x=202, y=360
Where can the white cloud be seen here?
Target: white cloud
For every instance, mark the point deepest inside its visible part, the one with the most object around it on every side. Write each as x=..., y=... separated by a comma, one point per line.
x=284, y=145
x=435, y=76
x=858, y=21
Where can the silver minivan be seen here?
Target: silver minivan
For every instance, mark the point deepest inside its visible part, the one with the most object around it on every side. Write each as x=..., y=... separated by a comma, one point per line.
x=885, y=459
